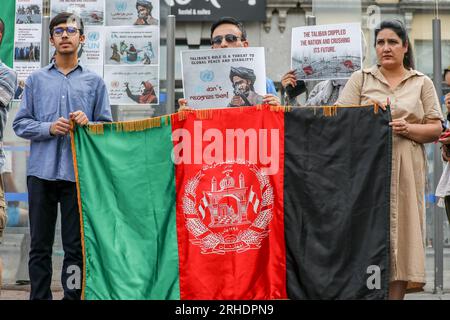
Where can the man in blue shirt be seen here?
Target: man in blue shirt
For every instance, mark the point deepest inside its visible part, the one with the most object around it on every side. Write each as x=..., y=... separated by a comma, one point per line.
x=53, y=96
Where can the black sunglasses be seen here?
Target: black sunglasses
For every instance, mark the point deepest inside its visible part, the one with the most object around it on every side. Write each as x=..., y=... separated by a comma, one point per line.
x=230, y=38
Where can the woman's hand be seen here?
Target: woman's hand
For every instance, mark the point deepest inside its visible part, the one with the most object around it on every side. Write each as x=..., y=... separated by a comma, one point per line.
x=419, y=132
x=400, y=126
x=271, y=99
x=380, y=104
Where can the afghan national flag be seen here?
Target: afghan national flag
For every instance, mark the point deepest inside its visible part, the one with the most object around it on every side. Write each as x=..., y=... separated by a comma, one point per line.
x=237, y=203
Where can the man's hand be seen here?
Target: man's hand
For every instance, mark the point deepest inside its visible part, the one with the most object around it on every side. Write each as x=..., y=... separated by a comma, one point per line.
x=289, y=79
x=271, y=99
x=79, y=117
x=60, y=127
x=183, y=105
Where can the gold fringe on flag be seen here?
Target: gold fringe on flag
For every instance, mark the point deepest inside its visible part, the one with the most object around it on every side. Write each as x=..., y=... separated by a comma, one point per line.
x=96, y=128
x=375, y=108
x=329, y=111
x=182, y=115
x=204, y=114
x=139, y=125
x=280, y=108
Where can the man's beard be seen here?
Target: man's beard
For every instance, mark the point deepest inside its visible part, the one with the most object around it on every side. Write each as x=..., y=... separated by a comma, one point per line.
x=243, y=91
x=142, y=15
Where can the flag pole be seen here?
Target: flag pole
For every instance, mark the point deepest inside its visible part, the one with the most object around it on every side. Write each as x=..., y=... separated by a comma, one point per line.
x=438, y=243
x=170, y=103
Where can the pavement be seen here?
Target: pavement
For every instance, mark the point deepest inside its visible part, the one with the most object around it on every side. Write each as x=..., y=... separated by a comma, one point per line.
x=22, y=293
x=10, y=252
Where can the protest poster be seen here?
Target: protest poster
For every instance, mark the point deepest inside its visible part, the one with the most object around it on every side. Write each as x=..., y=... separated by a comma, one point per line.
x=132, y=12
x=132, y=84
x=131, y=51
x=129, y=46
x=91, y=51
x=224, y=77
x=27, y=38
x=90, y=11
x=326, y=51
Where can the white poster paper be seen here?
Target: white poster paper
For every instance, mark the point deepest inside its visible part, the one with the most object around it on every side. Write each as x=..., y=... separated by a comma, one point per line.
x=92, y=12
x=131, y=46
x=132, y=12
x=326, y=51
x=132, y=84
x=27, y=37
x=219, y=78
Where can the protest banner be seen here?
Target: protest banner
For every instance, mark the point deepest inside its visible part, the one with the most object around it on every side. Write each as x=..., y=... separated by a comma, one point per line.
x=222, y=78
x=326, y=51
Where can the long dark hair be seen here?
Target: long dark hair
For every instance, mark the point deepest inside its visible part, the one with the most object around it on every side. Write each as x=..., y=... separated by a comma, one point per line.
x=399, y=28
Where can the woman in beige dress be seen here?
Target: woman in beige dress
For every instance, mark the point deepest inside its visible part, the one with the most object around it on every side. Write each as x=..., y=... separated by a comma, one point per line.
x=416, y=119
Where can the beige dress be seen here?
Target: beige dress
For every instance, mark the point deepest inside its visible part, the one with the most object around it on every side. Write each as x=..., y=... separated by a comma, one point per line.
x=414, y=99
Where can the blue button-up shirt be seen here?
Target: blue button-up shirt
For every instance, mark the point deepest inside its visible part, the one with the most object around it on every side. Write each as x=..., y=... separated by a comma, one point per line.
x=49, y=95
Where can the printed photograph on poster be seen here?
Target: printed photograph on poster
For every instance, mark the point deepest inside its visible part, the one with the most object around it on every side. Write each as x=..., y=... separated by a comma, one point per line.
x=132, y=84
x=325, y=52
x=91, y=11
x=27, y=52
x=132, y=46
x=20, y=88
x=28, y=21
x=28, y=12
x=132, y=12
x=222, y=78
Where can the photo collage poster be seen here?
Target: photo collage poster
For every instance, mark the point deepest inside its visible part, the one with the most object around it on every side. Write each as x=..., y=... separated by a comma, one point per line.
x=27, y=40
x=122, y=45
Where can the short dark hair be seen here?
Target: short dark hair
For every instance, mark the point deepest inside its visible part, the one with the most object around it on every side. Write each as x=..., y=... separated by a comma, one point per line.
x=229, y=20
x=446, y=71
x=2, y=29
x=65, y=17
x=399, y=28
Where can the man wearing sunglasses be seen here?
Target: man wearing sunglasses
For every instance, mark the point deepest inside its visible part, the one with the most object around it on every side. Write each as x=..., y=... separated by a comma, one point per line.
x=227, y=32
x=55, y=95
